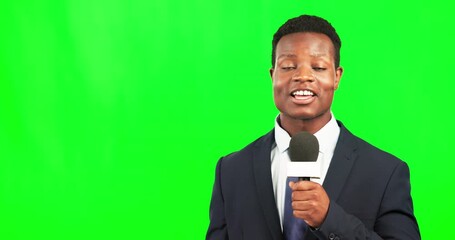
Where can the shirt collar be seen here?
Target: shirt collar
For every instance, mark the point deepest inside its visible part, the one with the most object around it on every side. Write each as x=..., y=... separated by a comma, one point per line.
x=282, y=137
x=327, y=136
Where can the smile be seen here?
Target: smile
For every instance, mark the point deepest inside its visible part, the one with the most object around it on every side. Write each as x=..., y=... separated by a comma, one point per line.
x=302, y=93
x=303, y=96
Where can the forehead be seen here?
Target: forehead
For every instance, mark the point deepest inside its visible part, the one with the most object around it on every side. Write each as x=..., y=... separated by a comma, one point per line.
x=305, y=43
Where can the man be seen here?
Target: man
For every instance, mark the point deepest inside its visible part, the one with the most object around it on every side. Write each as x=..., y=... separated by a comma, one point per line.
x=365, y=192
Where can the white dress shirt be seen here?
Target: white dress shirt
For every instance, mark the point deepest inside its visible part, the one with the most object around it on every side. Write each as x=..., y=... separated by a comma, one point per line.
x=327, y=137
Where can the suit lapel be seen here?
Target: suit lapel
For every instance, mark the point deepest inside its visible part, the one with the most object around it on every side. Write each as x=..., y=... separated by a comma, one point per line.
x=341, y=164
x=340, y=167
x=264, y=187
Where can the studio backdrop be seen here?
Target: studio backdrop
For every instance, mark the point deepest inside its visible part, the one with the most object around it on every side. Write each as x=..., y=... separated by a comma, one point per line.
x=114, y=113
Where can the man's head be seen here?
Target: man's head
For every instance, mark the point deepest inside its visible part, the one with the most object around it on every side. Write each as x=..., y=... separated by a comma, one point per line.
x=305, y=73
x=307, y=23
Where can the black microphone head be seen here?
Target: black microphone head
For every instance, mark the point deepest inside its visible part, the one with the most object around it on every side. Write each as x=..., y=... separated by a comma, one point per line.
x=304, y=147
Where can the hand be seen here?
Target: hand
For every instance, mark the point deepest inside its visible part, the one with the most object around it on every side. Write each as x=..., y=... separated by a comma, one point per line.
x=310, y=202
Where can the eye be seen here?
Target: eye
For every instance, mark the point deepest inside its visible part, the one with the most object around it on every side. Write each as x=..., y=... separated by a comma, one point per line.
x=288, y=67
x=319, y=69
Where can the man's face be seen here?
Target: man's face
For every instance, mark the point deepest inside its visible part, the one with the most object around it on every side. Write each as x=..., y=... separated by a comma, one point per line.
x=304, y=77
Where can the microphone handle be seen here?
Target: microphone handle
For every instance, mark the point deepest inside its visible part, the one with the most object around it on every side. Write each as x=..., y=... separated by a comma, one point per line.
x=304, y=178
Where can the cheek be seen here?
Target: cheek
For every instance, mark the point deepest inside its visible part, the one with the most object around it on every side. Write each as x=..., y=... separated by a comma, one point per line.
x=327, y=99
x=278, y=85
x=279, y=93
x=328, y=84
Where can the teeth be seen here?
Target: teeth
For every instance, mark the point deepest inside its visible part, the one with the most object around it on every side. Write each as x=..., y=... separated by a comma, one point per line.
x=303, y=93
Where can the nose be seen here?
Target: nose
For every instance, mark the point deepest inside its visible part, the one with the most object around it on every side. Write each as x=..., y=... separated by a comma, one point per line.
x=303, y=74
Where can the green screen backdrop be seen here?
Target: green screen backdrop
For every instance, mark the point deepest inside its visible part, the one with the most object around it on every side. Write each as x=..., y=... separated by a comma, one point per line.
x=114, y=113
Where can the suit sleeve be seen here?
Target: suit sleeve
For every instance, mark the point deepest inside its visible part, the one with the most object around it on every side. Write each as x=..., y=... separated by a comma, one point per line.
x=395, y=219
x=217, y=228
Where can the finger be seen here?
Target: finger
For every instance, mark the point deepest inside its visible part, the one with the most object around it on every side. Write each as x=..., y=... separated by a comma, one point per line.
x=303, y=214
x=291, y=184
x=310, y=217
x=303, y=185
x=305, y=195
x=304, y=205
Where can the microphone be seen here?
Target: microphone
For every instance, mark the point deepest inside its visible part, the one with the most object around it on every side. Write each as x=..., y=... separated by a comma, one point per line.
x=303, y=152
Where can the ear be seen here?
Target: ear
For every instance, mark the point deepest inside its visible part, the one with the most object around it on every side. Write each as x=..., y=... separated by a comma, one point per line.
x=271, y=70
x=338, y=73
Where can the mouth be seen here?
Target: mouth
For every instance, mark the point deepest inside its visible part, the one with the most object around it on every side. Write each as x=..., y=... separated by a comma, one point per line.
x=303, y=94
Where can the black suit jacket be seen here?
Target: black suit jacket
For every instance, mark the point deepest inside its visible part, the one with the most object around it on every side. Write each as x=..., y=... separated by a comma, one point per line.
x=369, y=193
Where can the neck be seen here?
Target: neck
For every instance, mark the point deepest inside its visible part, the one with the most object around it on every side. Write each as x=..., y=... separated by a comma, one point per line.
x=293, y=126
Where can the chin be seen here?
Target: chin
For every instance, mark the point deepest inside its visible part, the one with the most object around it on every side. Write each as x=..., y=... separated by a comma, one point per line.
x=307, y=115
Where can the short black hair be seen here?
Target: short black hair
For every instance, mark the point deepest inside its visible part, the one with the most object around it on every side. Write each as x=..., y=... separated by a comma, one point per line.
x=308, y=23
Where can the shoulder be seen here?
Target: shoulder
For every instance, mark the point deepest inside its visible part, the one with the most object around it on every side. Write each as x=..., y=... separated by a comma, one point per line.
x=371, y=168
x=263, y=143
x=366, y=152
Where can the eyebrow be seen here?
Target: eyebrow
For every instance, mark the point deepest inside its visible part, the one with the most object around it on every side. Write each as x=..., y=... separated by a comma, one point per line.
x=290, y=55
x=318, y=54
